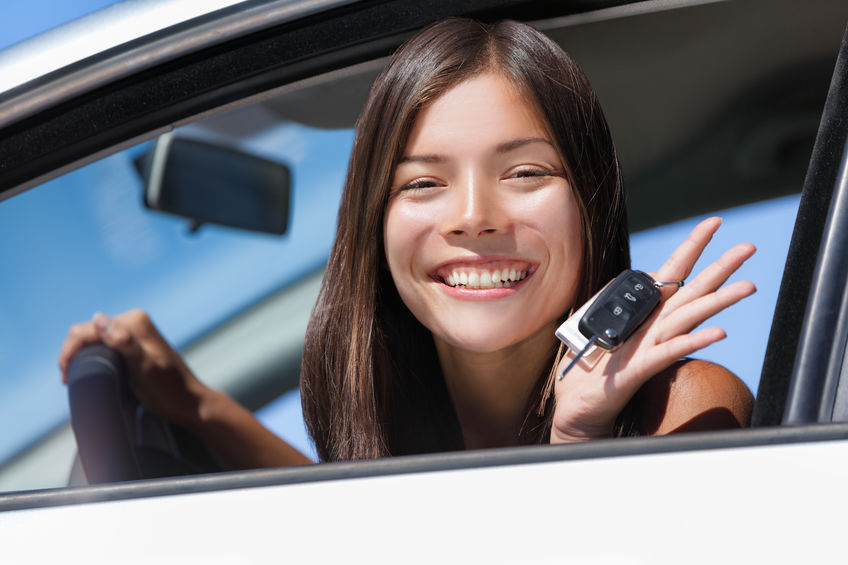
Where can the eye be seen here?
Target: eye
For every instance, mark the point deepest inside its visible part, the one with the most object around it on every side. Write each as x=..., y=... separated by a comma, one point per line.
x=530, y=174
x=524, y=173
x=418, y=185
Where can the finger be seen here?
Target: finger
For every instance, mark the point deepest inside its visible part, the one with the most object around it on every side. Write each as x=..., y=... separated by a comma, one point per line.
x=150, y=340
x=661, y=356
x=79, y=335
x=142, y=327
x=119, y=335
x=685, y=319
x=101, y=322
x=715, y=275
x=681, y=262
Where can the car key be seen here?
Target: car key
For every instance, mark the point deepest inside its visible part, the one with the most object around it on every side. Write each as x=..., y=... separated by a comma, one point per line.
x=620, y=308
x=614, y=313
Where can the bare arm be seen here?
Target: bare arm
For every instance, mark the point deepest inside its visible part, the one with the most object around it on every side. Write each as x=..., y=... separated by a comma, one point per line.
x=165, y=385
x=238, y=438
x=690, y=396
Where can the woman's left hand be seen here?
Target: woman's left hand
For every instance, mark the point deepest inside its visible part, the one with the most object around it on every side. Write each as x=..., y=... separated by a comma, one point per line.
x=589, y=401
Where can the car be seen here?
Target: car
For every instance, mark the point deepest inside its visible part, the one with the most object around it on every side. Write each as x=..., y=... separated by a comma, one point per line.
x=713, y=105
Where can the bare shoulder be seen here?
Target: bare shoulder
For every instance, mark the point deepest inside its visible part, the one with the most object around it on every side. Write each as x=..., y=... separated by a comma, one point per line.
x=693, y=395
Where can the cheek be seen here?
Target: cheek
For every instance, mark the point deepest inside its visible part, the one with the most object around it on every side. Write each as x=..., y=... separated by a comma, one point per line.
x=404, y=233
x=407, y=234
x=555, y=224
x=554, y=218
x=564, y=232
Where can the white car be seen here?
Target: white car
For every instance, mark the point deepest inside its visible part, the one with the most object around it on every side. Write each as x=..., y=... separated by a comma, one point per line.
x=739, y=102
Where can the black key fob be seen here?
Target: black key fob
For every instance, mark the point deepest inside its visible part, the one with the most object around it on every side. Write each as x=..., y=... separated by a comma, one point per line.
x=620, y=308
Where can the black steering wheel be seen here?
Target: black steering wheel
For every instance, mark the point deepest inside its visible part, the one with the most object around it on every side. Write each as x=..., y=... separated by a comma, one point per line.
x=117, y=438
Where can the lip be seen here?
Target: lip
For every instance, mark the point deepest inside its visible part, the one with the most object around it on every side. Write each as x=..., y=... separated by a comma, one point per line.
x=439, y=276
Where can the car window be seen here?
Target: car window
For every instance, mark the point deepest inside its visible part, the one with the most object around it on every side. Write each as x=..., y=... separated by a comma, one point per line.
x=768, y=225
x=84, y=243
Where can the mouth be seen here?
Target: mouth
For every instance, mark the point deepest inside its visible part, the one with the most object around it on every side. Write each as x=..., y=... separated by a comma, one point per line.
x=502, y=274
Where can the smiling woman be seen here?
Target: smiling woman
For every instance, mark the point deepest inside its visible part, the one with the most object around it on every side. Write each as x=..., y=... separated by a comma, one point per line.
x=484, y=244
x=483, y=154
x=463, y=216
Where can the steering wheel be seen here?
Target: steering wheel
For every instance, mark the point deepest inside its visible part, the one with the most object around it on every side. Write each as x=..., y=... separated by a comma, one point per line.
x=117, y=438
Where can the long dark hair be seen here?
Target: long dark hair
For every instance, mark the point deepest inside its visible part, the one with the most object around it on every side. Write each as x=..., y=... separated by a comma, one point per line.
x=371, y=384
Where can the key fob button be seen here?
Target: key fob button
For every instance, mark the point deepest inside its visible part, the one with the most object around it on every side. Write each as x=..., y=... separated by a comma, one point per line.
x=619, y=309
x=639, y=287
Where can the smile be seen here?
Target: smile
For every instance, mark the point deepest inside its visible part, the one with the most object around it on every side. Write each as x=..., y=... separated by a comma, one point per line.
x=497, y=276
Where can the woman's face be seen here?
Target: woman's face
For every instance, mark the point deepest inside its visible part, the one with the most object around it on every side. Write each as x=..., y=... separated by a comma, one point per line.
x=482, y=232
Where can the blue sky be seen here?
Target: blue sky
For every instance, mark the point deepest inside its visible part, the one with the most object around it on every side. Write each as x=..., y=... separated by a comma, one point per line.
x=24, y=19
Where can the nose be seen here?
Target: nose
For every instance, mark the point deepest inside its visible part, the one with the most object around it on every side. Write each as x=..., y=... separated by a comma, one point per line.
x=476, y=208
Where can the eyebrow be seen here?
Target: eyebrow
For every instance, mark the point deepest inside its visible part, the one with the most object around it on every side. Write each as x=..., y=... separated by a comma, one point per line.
x=505, y=147
x=516, y=143
x=421, y=159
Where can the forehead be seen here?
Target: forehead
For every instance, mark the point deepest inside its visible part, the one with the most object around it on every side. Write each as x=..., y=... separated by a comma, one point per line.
x=485, y=107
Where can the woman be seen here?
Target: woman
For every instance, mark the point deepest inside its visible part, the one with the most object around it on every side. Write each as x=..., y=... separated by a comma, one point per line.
x=483, y=203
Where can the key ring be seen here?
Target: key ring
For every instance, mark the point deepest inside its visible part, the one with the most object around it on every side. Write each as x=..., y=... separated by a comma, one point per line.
x=660, y=284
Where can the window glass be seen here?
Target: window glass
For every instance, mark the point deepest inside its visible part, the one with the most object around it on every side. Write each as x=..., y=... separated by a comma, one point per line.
x=768, y=225
x=84, y=243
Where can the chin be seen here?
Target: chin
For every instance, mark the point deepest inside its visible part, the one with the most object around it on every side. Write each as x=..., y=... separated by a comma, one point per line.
x=475, y=341
x=480, y=328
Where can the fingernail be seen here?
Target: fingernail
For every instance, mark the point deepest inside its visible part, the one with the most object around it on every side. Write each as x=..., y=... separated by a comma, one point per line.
x=102, y=322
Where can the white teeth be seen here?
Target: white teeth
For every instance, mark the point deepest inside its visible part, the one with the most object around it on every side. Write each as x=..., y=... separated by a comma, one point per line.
x=485, y=279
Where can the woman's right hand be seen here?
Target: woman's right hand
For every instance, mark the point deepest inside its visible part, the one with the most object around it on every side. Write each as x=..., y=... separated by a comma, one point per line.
x=158, y=375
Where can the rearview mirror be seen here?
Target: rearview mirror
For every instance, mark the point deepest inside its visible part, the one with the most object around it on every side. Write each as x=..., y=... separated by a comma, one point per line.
x=210, y=183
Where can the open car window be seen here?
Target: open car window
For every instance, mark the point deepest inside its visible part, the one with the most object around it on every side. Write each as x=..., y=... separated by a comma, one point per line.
x=84, y=242
x=234, y=301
